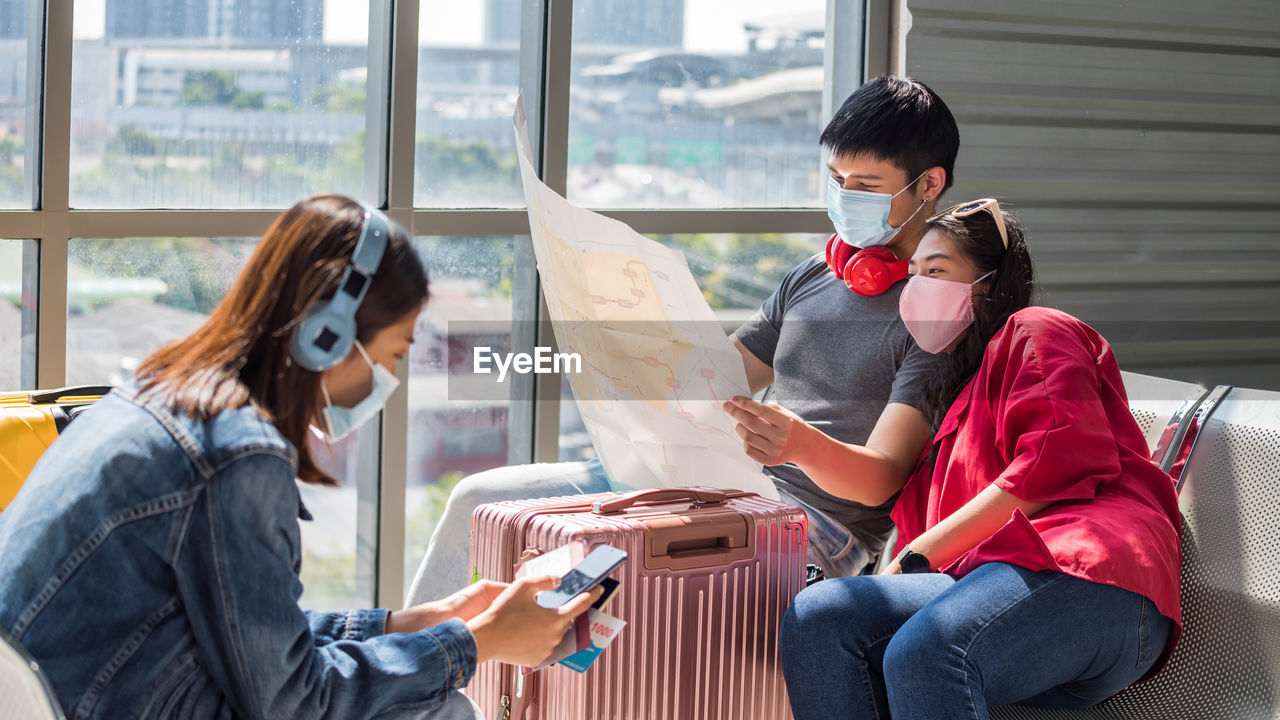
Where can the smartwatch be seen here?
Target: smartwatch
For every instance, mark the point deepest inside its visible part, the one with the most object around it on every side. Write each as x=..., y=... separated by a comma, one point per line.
x=913, y=562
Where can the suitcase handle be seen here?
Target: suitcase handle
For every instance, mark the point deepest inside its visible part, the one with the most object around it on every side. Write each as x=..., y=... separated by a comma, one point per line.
x=41, y=397
x=699, y=496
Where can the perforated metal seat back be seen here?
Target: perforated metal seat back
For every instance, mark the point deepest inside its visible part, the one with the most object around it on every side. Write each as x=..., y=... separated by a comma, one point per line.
x=24, y=694
x=1228, y=663
x=1154, y=401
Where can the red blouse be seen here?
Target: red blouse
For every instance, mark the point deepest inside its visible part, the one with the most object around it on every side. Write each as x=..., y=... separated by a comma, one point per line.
x=1046, y=418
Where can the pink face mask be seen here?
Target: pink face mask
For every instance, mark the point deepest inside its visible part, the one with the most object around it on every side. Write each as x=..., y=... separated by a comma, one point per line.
x=937, y=311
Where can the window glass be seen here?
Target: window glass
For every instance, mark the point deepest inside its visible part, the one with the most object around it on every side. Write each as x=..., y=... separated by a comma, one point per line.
x=330, y=540
x=736, y=273
x=468, y=81
x=455, y=427
x=128, y=297
x=15, y=18
x=197, y=104
x=17, y=314
x=696, y=103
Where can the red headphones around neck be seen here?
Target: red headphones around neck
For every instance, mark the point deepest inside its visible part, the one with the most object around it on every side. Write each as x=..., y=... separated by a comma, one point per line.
x=870, y=271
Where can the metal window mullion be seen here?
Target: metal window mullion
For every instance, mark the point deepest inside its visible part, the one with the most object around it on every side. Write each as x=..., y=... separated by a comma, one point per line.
x=878, y=56
x=392, y=481
x=396, y=165
x=522, y=414
x=51, y=197
x=843, y=61
x=470, y=222
x=747, y=221
x=33, y=142
x=554, y=168
x=55, y=133
x=377, y=109
x=899, y=26
x=402, y=140
x=51, y=303
x=558, y=60
x=22, y=223
x=169, y=223
x=651, y=222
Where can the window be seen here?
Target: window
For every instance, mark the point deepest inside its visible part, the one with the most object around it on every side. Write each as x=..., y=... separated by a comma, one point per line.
x=16, y=88
x=127, y=297
x=166, y=135
x=455, y=426
x=468, y=80
x=17, y=314
x=332, y=576
x=696, y=104
x=174, y=106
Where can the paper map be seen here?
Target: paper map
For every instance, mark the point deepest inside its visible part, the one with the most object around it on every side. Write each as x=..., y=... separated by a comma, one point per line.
x=656, y=365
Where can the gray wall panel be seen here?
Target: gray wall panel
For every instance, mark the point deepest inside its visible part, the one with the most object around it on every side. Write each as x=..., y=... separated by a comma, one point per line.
x=1140, y=144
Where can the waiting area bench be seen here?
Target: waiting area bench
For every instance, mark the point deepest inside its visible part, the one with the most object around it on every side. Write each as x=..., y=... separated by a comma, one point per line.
x=1223, y=448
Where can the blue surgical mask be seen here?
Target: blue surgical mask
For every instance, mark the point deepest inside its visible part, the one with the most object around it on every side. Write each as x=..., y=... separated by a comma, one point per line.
x=344, y=421
x=861, y=218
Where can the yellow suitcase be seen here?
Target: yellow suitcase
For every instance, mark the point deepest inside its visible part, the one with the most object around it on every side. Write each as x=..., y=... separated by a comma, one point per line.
x=29, y=423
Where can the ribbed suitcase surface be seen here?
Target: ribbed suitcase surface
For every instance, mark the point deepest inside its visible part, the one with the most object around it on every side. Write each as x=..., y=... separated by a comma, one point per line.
x=703, y=593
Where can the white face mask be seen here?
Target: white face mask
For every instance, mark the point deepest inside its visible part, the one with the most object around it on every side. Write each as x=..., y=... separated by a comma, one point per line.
x=861, y=218
x=342, y=421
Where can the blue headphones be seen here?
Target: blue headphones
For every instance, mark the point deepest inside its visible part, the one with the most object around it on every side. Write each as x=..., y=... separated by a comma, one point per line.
x=328, y=331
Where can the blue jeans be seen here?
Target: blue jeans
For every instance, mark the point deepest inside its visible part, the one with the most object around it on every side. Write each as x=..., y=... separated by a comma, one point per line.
x=832, y=546
x=457, y=707
x=931, y=647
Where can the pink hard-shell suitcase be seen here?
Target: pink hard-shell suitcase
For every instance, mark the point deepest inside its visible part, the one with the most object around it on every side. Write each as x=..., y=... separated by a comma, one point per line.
x=708, y=577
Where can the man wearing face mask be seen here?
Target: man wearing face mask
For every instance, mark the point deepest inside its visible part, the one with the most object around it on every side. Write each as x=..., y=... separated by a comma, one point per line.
x=829, y=341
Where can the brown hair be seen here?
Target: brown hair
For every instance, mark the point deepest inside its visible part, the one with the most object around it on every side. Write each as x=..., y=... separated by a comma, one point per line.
x=241, y=355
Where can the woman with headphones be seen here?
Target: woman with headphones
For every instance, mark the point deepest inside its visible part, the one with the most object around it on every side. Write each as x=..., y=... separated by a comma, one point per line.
x=1036, y=513
x=150, y=562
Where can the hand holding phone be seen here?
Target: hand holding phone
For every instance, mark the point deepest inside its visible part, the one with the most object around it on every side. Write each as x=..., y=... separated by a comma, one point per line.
x=587, y=574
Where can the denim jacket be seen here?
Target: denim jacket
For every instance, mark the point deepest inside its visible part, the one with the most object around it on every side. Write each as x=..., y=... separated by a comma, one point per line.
x=150, y=564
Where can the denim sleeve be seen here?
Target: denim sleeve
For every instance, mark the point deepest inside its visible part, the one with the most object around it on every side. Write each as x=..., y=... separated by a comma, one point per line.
x=327, y=627
x=237, y=581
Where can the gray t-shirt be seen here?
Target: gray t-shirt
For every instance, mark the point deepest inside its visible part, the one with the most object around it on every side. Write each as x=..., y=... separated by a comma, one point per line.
x=840, y=357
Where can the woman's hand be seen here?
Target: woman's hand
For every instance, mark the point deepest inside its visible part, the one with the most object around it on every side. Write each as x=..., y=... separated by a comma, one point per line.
x=515, y=629
x=772, y=434
x=464, y=605
x=893, y=568
x=473, y=599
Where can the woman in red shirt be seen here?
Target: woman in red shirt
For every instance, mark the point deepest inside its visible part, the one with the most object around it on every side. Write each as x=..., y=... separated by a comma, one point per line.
x=1040, y=544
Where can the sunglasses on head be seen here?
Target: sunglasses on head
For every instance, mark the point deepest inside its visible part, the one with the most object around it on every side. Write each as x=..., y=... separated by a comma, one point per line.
x=965, y=209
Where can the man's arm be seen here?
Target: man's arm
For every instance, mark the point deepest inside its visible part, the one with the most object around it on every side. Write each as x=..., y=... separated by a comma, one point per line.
x=868, y=474
x=759, y=375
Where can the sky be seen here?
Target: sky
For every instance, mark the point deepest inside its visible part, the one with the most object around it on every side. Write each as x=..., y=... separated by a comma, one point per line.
x=710, y=25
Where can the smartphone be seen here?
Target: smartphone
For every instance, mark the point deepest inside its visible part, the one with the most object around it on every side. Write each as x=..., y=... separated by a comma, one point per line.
x=593, y=569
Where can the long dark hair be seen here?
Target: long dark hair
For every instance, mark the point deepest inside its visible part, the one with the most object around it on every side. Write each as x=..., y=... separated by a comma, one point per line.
x=1008, y=290
x=241, y=355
